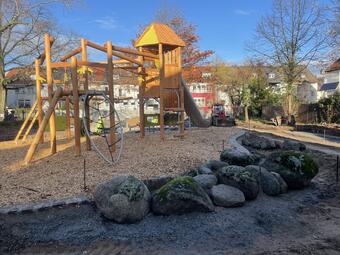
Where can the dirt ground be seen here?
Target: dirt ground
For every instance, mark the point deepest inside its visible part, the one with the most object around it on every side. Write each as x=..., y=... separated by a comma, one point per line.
x=61, y=175
x=298, y=222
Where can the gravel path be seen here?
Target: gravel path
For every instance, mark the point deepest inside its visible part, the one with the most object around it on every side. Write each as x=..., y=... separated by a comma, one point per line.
x=61, y=175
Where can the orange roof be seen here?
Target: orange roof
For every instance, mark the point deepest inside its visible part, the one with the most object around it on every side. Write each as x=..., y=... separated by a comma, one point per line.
x=158, y=33
x=335, y=66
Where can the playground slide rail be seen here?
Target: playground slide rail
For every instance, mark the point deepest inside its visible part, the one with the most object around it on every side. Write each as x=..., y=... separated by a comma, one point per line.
x=191, y=108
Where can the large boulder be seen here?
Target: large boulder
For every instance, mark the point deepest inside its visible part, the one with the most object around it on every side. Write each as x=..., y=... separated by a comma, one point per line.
x=255, y=171
x=207, y=181
x=239, y=158
x=283, y=184
x=296, y=168
x=258, y=142
x=124, y=199
x=292, y=145
x=227, y=196
x=269, y=183
x=181, y=195
x=240, y=178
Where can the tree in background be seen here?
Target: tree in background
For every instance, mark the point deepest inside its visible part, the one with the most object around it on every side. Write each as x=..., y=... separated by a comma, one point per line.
x=22, y=27
x=191, y=54
x=292, y=36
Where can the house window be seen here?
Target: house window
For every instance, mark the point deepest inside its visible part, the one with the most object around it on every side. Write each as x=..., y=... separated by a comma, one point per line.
x=24, y=103
x=206, y=75
x=271, y=75
x=116, y=77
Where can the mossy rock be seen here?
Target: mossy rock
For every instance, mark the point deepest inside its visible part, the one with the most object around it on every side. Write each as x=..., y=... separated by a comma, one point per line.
x=181, y=195
x=296, y=168
x=238, y=158
x=240, y=178
x=124, y=199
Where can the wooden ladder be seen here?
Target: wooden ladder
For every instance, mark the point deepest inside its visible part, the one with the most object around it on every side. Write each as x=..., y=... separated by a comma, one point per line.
x=28, y=124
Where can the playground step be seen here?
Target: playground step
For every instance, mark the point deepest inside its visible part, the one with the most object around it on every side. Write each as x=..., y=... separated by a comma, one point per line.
x=174, y=109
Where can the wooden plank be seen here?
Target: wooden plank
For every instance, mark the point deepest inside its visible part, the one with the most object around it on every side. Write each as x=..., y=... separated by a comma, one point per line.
x=122, y=56
x=49, y=78
x=25, y=122
x=75, y=106
x=92, y=64
x=86, y=88
x=111, y=94
x=42, y=56
x=40, y=132
x=71, y=54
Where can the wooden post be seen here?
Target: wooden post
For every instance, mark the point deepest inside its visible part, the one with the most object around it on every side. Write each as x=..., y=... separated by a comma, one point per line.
x=111, y=94
x=141, y=97
x=38, y=93
x=41, y=129
x=74, y=67
x=67, y=107
x=86, y=88
x=49, y=79
x=161, y=91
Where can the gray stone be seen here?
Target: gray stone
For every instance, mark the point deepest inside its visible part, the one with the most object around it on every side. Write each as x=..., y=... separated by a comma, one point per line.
x=296, y=168
x=227, y=196
x=181, y=195
x=255, y=171
x=240, y=178
x=269, y=183
x=204, y=170
x=124, y=199
x=236, y=157
x=283, y=184
x=258, y=142
x=207, y=181
x=292, y=145
x=215, y=165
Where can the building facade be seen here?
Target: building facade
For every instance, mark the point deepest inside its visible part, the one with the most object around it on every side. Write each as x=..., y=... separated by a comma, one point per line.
x=332, y=80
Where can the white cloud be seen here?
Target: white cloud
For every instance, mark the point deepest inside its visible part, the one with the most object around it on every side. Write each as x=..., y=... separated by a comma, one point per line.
x=107, y=22
x=242, y=12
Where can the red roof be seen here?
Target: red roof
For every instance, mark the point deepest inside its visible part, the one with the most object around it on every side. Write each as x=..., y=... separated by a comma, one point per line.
x=335, y=66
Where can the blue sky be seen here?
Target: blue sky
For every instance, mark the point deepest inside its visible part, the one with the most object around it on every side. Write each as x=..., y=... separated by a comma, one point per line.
x=223, y=25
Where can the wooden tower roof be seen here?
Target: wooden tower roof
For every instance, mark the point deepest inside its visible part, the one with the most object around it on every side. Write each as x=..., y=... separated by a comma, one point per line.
x=158, y=33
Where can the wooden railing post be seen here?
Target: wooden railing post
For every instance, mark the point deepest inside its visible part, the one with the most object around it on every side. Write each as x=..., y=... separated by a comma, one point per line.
x=111, y=94
x=49, y=78
x=141, y=96
x=38, y=93
x=161, y=91
x=74, y=67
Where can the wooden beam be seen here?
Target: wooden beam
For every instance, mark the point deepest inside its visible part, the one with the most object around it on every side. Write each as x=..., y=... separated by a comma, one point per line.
x=122, y=56
x=30, y=127
x=25, y=122
x=71, y=54
x=111, y=95
x=74, y=67
x=178, y=61
x=86, y=88
x=40, y=132
x=67, y=108
x=49, y=78
x=60, y=65
x=132, y=51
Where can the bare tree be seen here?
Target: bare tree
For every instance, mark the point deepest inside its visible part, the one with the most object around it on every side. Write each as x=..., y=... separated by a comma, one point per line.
x=22, y=26
x=292, y=36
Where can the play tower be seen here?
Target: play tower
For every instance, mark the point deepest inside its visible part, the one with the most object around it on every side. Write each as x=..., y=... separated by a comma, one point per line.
x=163, y=81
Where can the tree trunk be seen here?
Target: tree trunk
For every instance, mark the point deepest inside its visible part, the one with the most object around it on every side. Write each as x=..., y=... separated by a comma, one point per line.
x=289, y=110
x=246, y=115
x=2, y=96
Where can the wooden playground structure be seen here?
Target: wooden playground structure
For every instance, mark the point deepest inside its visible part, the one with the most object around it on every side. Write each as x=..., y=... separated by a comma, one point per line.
x=157, y=63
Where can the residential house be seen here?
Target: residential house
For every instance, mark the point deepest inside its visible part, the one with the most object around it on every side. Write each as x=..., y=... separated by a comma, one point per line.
x=332, y=80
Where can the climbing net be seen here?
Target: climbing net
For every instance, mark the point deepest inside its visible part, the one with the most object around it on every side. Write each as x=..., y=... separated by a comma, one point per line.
x=99, y=126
